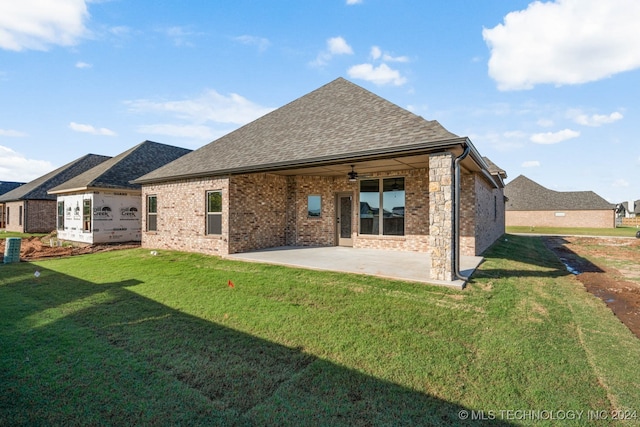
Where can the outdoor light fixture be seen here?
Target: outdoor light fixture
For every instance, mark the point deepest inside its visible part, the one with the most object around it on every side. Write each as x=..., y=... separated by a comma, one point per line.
x=353, y=175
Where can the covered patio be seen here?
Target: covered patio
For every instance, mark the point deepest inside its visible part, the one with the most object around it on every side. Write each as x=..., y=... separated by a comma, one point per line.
x=397, y=265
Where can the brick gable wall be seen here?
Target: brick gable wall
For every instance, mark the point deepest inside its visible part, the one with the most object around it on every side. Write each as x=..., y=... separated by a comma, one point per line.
x=586, y=219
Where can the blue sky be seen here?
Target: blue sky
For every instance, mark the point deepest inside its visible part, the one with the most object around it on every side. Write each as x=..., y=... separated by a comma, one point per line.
x=550, y=90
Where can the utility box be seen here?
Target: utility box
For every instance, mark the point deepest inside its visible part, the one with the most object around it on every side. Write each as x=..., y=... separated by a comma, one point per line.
x=12, y=249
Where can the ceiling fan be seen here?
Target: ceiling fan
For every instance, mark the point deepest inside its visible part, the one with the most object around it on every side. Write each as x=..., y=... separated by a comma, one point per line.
x=353, y=175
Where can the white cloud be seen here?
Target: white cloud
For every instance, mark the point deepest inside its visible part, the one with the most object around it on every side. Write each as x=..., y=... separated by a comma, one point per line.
x=260, y=42
x=545, y=123
x=179, y=35
x=339, y=46
x=12, y=133
x=335, y=46
x=198, y=132
x=37, y=24
x=564, y=42
x=90, y=129
x=504, y=142
x=208, y=107
x=351, y=2
x=554, y=137
x=620, y=183
x=376, y=53
x=531, y=164
x=380, y=75
x=81, y=65
x=15, y=167
x=596, y=120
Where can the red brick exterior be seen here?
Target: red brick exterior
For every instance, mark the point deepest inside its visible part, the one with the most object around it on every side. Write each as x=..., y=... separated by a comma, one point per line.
x=38, y=216
x=560, y=218
x=264, y=210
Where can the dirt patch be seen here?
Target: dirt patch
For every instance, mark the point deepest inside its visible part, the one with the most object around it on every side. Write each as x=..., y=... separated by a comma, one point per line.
x=33, y=248
x=589, y=258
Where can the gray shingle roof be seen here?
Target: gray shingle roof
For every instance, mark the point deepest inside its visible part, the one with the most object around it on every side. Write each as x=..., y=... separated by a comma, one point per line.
x=494, y=169
x=38, y=188
x=527, y=195
x=340, y=120
x=6, y=186
x=118, y=171
x=636, y=207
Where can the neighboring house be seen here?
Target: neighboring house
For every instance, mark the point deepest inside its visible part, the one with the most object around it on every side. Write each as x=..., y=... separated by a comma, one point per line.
x=319, y=171
x=532, y=205
x=29, y=209
x=5, y=187
x=628, y=209
x=102, y=205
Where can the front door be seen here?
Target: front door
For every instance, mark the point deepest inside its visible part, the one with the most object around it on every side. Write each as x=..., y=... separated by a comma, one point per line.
x=344, y=210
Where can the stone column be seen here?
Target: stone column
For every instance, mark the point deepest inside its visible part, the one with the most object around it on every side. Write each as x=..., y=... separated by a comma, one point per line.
x=441, y=238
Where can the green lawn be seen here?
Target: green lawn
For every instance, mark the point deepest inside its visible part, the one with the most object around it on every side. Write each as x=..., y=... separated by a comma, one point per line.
x=126, y=337
x=618, y=231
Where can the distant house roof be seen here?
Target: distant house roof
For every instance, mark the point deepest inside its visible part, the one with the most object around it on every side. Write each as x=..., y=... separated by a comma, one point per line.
x=6, y=186
x=526, y=195
x=624, y=207
x=38, y=188
x=119, y=171
x=337, y=122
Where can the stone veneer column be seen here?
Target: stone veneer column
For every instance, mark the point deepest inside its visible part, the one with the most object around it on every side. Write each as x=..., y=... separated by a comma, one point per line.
x=441, y=238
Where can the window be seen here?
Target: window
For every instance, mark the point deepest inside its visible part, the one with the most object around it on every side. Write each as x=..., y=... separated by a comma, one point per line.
x=20, y=215
x=314, y=206
x=214, y=212
x=388, y=220
x=86, y=215
x=8, y=215
x=152, y=213
x=61, y=215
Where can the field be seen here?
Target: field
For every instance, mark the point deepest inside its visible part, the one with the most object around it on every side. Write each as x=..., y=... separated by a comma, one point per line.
x=129, y=337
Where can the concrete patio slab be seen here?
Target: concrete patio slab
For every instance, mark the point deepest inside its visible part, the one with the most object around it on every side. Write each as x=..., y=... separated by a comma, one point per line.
x=408, y=266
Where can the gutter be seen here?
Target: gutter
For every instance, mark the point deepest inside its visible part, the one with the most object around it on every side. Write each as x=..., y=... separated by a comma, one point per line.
x=456, y=214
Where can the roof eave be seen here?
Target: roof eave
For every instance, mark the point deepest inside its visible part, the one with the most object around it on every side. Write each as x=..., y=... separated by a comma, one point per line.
x=430, y=147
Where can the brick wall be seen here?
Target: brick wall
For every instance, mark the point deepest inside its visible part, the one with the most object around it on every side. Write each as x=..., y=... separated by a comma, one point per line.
x=181, y=221
x=490, y=219
x=41, y=216
x=257, y=212
x=38, y=216
x=587, y=219
x=13, y=221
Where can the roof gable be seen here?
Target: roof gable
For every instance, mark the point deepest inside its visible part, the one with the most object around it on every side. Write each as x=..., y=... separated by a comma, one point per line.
x=118, y=171
x=38, y=188
x=527, y=195
x=337, y=121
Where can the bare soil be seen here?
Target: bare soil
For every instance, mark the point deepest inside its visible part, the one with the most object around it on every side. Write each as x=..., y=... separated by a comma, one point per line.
x=591, y=259
x=33, y=248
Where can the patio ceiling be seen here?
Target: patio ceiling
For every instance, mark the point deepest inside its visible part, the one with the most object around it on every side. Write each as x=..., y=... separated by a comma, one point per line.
x=362, y=167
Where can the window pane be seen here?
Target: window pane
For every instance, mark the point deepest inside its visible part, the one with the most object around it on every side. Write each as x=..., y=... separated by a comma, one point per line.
x=86, y=215
x=369, y=206
x=393, y=196
x=152, y=222
x=152, y=204
x=314, y=206
x=214, y=201
x=214, y=224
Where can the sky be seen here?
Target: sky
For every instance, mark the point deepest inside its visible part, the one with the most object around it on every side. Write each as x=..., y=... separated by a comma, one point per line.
x=549, y=90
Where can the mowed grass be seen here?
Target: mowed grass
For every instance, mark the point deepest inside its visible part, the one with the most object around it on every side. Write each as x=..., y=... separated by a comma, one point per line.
x=132, y=338
x=568, y=231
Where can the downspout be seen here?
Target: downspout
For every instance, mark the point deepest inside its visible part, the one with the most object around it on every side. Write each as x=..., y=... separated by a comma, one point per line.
x=456, y=214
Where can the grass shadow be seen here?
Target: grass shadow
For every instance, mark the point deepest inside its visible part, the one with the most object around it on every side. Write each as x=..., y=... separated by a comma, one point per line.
x=76, y=352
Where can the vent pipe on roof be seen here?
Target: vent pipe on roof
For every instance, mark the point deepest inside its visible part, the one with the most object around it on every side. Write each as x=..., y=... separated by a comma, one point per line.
x=456, y=214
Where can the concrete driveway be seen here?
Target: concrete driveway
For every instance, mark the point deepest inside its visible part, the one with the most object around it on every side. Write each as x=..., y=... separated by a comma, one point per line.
x=408, y=266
